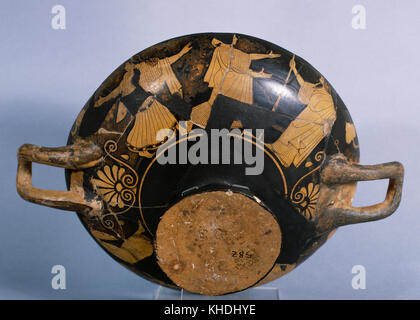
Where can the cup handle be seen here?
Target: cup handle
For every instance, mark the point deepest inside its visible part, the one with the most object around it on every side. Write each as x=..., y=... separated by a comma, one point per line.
x=78, y=156
x=338, y=172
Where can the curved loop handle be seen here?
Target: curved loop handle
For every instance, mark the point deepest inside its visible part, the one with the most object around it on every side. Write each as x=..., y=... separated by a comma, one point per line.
x=76, y=157
x=339, y=171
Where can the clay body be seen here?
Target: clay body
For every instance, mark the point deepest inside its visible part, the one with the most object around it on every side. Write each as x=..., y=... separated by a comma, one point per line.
x=209, y=227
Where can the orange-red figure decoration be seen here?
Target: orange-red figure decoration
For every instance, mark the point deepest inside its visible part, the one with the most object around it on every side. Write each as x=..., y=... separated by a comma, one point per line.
x=207, y=226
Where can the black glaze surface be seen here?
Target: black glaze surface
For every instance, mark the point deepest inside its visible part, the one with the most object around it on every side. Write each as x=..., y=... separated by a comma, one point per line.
x=159, y=186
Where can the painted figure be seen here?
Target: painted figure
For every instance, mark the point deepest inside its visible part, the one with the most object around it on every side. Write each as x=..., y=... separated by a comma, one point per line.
x=313, y=124
x=229, y=74
x=152, y=116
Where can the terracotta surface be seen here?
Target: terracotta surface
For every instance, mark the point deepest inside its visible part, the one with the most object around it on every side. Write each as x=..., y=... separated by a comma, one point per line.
x=217, y=242
x=164, y=96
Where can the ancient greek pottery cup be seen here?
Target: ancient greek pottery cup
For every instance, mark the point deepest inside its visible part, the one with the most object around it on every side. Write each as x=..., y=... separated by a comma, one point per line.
x=212, y=162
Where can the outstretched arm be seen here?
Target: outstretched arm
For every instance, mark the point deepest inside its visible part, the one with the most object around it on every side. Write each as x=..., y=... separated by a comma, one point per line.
x=297, y=75
x=260, y=74
x=184, y=50
x=125, y=87
x=258, y=56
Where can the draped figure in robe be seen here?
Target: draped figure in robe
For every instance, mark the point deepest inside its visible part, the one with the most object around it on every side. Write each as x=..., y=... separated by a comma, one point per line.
x=312, y=125
x=229, y=74
x=152, y=116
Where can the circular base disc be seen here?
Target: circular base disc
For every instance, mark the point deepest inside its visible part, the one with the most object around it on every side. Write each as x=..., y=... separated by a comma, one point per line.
x=217, y=242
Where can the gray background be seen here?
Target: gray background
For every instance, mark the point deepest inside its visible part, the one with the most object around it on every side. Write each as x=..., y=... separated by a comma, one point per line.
x=47, y=75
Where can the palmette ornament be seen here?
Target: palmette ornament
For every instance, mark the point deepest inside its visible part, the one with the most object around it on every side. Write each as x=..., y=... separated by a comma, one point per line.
x=210, y=225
